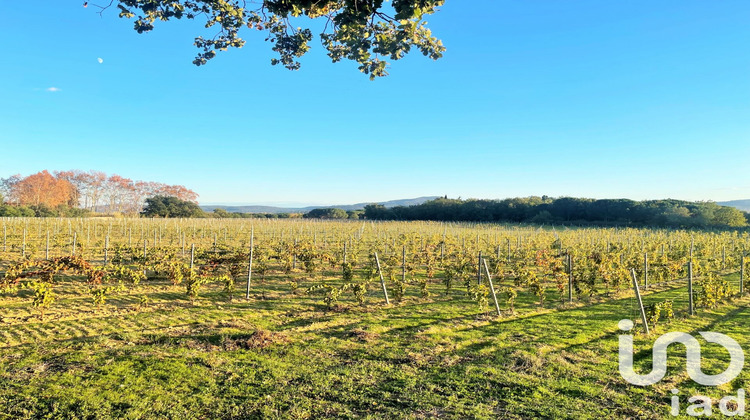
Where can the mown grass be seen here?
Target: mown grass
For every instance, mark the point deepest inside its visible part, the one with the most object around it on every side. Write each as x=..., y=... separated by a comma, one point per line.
x=283, y=354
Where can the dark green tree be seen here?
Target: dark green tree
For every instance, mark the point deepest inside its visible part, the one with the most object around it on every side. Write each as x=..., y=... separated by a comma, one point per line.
x=729, y=216
x=7, y=210
x=365, y=31
x=166, y=206
x=221, y=213
x=378, y=212
x=355, y=214
x=327, y=213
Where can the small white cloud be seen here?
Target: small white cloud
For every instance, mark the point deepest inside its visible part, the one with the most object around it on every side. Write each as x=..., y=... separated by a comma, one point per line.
x=100, y=60
x=53, y=89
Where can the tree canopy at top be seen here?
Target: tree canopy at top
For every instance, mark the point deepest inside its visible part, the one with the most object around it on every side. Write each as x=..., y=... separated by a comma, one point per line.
x=365, y=31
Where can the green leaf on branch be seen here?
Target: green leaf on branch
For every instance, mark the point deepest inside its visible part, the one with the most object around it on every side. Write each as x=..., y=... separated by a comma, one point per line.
x=363, y=31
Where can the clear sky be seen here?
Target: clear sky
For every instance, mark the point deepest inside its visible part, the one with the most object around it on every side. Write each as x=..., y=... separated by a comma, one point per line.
x=601, y=99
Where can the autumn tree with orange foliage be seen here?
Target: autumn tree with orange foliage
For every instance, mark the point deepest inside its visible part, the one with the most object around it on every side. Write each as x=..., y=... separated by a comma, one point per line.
x=92, y=190
x=43, y=189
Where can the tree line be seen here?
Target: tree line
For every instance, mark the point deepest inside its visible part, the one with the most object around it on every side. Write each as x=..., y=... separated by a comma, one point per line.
x=666, y=213
x=77, y=193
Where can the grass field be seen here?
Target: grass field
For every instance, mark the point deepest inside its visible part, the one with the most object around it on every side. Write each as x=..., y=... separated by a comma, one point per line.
x=282, y=354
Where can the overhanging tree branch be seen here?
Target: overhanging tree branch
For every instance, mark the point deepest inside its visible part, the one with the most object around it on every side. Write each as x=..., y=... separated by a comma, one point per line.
x=361, y=30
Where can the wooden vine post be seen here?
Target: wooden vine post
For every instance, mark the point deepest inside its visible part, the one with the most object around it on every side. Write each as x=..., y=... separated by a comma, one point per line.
x=192, y=256
x=106, y=249
x=742, y=273
x=250, y=263
x=691, y=308
x=145, y=253
x=294, y=255
x=570, y=278
x=492, y=287
x=638, y=299
x=479, y=269
x=403, y=264
x=382, y=281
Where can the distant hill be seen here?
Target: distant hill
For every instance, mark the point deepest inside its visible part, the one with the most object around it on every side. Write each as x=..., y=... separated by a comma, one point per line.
x=252, y=209
x=358, y=206
x=743, y=205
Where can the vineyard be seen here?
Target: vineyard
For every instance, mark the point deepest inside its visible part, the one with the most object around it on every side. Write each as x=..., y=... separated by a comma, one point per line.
x=299, y=318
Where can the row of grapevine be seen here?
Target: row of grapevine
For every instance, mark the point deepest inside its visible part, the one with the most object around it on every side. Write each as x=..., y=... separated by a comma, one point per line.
x=336, y=260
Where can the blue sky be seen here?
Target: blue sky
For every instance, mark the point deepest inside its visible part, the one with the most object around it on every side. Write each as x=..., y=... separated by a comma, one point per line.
x=598, y=99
